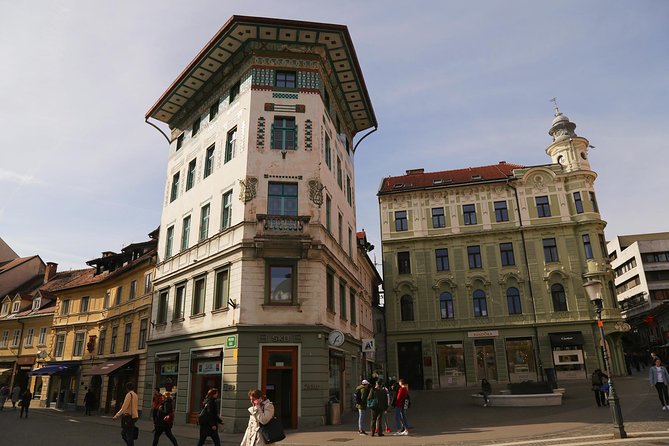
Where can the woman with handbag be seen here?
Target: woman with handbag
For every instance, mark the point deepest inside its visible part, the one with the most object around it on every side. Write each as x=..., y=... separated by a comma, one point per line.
x=261, y=414
x=209, y=419
x=164, y=418
x=129, y=415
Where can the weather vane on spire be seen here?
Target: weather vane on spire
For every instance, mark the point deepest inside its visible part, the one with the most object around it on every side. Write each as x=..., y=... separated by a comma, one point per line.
x=554, y=101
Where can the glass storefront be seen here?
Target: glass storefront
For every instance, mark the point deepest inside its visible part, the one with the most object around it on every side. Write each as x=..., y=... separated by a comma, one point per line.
x=207, y=373
x=568, y=355
x=167, y=372
x=486, y=364
x=520, y=358
x=451, y=364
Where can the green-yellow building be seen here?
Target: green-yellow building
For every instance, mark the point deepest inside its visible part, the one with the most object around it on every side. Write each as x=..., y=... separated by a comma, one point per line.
x=484, y=270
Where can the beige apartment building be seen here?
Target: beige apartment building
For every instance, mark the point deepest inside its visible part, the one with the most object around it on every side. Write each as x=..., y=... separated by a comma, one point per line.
x=484, y=270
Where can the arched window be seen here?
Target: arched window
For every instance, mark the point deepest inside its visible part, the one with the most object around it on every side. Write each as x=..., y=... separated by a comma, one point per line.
x=559, y=297
x=513, y=301
x=480, y=305
x=446, y=305
x=406, y=308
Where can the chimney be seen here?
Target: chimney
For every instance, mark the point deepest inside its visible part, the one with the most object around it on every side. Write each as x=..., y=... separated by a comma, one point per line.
x=415, y=171
x=51, y=269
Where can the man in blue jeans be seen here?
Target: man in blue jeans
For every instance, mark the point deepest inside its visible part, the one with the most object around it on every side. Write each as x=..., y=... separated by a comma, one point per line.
x=361, y=393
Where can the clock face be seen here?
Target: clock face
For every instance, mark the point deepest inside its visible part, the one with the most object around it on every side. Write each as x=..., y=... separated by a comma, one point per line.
x=336, y=338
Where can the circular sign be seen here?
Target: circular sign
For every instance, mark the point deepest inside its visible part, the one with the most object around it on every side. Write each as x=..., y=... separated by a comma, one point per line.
x=336, y=338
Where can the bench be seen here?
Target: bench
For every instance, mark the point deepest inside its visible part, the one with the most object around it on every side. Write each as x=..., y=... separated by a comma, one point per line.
x=528, y=400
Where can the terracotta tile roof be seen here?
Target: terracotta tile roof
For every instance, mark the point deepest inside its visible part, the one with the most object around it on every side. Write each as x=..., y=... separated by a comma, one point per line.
x=14, y=263
x=62, y=278
x=419, y=179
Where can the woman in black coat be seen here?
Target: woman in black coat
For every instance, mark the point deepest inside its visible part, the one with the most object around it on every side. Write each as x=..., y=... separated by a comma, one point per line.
x=209, y=419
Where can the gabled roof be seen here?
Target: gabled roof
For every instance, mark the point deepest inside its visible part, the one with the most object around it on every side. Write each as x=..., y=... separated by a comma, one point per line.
x=14, y=263
x=209, y=64
x=417, y=179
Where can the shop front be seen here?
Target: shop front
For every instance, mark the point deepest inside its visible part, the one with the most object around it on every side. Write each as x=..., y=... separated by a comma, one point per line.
x=451, y=364
x=117, y=372
x=206, y=369
x=24, y=365
x=520, y=359
x=568, y=358
x=63, y=383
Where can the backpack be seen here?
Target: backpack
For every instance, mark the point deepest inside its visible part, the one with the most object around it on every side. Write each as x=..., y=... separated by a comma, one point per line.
x=358, y=397
x=203, y=417
x=372, y=402
x=165, y=408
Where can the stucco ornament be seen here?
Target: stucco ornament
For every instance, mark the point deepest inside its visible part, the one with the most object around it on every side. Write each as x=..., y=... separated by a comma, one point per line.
x=248, y=189
x=316, y=191
x=538, y=183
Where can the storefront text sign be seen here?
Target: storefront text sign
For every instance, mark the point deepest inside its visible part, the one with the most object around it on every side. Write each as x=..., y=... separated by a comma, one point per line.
x=368, y=345
x=231, y=341
x=483, y=334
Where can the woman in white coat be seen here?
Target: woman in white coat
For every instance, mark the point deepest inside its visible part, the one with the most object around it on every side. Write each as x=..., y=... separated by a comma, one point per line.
x=261, y=410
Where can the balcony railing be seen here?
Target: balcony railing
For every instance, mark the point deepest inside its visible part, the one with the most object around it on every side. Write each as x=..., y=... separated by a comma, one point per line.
x=291, y=224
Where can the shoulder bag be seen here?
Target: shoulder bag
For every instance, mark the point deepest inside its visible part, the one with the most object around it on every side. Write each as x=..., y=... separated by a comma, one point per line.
x=272, y=431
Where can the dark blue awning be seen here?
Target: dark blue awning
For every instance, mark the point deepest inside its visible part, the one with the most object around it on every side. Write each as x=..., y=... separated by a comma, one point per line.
x=49, y=370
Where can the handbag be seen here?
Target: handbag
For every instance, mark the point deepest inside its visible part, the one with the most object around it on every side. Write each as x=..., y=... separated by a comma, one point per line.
x=135, y=432
x=272, y=431
x=126, y=421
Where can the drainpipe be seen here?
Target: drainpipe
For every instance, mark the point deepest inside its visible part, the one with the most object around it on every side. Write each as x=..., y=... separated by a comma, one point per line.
x=529, y=280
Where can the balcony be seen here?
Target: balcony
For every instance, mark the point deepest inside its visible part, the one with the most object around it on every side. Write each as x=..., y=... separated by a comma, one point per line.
x=282, y=224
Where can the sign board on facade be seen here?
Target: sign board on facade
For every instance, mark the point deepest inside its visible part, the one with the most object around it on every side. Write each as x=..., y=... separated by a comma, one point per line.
x=368, y=345
x=209, y=367
x=483, y=334
x=231, y=341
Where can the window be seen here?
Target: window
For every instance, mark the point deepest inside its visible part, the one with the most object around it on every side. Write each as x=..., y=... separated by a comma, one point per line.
x=190, y=175
x=593, y=200
x=161, y=314
x=438, y=219
x=442, y=259
x=41, y=339
x=16, y=338
x=133, y=290
x=282, y=278
x=60, y=345
x=349, y=191
x=101, y=342
x=29, y=337
x=282, y=199
x=199, y=288
x=126, y=337
x=587, y=246
x=230, y=145
x=506, y=252
x=209, y=161
x=226, y=218
x=234, y=91
x=285, y=79
x=406, y=308
x=559, y=297
x=37, y=302
x=185, y=233
x=16, y=306
x=175, y=187
x=446, y=306
x=143, y=330
x=83, y=306
x=403, y=262
x=65, y=308
x=480, y=304
x=329, y=289
x=5, y=339
x=119, y=295
x=328, y=153
x=401, y=222
x=339, y=174
x=222, y=290
x=204, y=222
x=196, y=127
x=147, y=283
x=213, y=111
x=340, y=224
x=469, y=214
x=180, y=141
x=342, y=299
x=550, y=250
x=543, y=206
x=284, y=134
x=350, y=242
x=328, y=213
x=474, y=256
x=179, y=302
x=501, y=211
x=513, y=301
x=578, y=203
x=114, y=336
x=78, y=349
x=351, y=305
x=105, y=301
x=5, y=308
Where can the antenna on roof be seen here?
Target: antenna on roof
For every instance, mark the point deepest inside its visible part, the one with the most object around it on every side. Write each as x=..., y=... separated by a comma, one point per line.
x=557, y=110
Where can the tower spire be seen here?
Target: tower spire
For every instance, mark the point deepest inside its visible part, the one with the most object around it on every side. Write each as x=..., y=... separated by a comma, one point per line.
x=557, y=110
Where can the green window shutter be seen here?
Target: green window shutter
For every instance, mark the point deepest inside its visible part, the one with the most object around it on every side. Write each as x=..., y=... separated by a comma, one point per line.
x=295, y=136
x=271, y=137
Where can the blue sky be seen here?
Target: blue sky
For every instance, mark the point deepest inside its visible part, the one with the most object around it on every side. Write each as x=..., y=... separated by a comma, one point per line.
x=453, y=84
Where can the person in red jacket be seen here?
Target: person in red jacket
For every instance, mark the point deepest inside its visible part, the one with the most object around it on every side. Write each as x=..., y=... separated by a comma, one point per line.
x=402, y=402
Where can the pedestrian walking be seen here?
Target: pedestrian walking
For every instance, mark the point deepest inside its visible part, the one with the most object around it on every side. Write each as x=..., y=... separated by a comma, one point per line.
x=209, y=419
x=261, y=412
x=486, y=390
x=16, y=395
x=389, y=405
x=163, y=420
x=402, y=404
x=4, y=394
x=26, y=397
x=361, y=393
x=660, y=378
x=379, y=404
x=128, y=414
x=156, y=401
x=600, y=386
x=89, y=402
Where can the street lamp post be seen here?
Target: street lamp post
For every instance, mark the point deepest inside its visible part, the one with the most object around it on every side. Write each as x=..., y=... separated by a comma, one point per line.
x=594, y=290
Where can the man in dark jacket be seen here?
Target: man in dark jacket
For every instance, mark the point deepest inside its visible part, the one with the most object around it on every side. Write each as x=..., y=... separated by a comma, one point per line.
x=380, y=395
x=361, y=393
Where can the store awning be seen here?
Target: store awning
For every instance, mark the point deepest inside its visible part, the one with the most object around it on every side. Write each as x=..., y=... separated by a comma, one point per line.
x=49, y=370
x=4, y=370
x=565, y=339
x=108, y=367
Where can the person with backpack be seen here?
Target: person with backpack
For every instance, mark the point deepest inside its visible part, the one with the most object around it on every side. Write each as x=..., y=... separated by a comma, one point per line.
x=402, y=403
x=377, y=401
x=361, y=393
x=209, y=419
x=164, y=418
